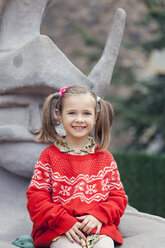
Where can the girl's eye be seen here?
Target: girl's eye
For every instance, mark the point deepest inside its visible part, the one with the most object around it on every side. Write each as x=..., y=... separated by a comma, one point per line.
x=87, y=113
x=71, y=113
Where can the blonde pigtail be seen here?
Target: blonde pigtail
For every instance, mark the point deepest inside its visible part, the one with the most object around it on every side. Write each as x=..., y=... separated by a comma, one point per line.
x=103, y=125
x=48, y=132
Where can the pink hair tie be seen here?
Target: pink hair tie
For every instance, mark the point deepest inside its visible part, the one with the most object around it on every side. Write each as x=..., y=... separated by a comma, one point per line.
x=62, y=91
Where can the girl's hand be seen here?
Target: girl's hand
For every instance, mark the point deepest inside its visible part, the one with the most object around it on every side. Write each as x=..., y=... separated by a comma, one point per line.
x=74, y=232
x=89, y=222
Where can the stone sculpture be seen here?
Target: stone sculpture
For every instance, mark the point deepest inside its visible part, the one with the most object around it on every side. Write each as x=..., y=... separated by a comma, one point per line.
x=35, y=66
x=32, y=67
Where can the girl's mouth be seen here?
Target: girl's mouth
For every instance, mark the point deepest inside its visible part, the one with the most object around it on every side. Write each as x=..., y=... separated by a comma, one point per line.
x=78, y=128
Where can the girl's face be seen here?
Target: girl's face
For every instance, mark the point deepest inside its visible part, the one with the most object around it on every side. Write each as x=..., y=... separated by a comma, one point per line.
x=78, y=116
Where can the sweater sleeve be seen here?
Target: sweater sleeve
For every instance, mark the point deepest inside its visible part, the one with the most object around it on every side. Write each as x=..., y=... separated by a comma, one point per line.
x=43, y=211
x=110, y=211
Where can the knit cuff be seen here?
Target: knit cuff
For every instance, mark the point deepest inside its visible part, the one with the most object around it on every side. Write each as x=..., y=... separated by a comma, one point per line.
x=65, y=223
x=97, y=213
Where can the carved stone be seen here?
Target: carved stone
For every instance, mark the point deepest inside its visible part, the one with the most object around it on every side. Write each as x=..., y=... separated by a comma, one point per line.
x=31, y=67
x=38, y=67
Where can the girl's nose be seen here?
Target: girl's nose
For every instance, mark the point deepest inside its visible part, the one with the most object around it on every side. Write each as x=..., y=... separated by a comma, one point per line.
x=34, y=117
x=79, y=118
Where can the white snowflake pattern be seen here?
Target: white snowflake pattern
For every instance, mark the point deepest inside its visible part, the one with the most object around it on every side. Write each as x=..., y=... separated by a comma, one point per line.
x=79, y=187
x=37, y=175
x=105, y=184
x=65, y=190
x=91, y=189
x=46, y=174
x=47, y=177
x=115, y=176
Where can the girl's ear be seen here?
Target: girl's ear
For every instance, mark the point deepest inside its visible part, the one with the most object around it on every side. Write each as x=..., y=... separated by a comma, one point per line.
x=58, y=115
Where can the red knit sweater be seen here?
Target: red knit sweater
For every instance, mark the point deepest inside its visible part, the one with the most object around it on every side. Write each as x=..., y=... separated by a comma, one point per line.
x=65, y=186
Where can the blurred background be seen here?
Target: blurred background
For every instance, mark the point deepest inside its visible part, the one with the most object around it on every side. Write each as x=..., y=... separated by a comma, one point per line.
x=137, y=90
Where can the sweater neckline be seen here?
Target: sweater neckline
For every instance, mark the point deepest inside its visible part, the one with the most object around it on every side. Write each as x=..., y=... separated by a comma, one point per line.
x=76, y=156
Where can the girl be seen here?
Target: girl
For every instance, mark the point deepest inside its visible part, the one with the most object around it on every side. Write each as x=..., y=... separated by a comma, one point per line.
x=75, y=198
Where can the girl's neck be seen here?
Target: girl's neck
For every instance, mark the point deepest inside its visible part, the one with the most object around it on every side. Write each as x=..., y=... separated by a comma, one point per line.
x=76, y=145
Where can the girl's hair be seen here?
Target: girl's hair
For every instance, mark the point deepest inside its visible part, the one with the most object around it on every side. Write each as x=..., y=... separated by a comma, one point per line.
x=104, y=121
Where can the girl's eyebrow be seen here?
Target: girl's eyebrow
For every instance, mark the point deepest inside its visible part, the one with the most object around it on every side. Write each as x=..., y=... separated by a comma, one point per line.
x=76, y=110
x=68, y=110
x=88, y=109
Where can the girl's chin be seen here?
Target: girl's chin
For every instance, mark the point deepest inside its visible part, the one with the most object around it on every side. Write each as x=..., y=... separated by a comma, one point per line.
x=78, y=135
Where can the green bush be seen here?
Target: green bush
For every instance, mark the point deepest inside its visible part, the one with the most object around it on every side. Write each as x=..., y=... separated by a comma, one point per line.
x=143, y=177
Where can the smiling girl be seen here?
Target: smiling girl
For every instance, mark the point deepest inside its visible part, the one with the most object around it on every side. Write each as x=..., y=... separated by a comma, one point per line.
x=76, y=198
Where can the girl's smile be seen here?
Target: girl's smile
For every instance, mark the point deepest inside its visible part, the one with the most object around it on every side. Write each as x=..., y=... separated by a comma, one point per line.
x=79, y=128
x=78, y=118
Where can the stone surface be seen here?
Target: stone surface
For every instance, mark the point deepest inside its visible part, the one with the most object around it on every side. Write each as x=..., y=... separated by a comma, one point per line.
x=15, y=219
x=39, y=68
x=6, y=245
x=142, y=230
x=32, y=66
x=20, y=22
x=102, y=72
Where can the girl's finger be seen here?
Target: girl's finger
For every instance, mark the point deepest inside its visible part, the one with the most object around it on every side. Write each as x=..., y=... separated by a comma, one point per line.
x=81, y=217
x=98, y=229
x=88, y=228
x=76, y=238
x=84, y=223
x=69, y=237
x=81, y=235
x=89, y=231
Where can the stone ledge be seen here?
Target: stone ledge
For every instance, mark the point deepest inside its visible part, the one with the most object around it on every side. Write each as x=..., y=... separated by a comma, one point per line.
x=6, y=245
